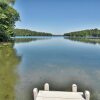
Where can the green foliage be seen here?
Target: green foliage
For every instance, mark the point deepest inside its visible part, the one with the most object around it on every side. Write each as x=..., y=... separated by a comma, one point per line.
x=25, y=32
x=84, y=33
x=8, y=1
x=8, y=17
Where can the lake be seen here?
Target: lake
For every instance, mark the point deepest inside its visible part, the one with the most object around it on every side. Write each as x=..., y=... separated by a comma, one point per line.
x=57, y=60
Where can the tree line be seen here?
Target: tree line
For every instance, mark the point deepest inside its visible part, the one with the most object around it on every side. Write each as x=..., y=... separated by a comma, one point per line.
x=26, y=32
x=84, y=33
x=8, y=17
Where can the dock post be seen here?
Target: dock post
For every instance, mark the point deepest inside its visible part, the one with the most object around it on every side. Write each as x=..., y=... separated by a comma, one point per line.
x=35, y=93
x=74, y=88
x=46, y=87
x=87, y=95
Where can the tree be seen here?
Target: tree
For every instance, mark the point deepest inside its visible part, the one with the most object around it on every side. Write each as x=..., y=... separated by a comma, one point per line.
x=84, y=33
x=8, y=17
x=8, y=1
x=25, y=32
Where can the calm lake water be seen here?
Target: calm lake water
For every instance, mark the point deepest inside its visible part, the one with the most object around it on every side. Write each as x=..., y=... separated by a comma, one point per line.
x=58, y=61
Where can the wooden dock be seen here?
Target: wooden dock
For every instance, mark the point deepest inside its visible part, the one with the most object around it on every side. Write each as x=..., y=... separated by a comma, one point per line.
x=60, y=95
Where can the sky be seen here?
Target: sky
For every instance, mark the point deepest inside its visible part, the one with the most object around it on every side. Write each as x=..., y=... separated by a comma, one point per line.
x=58, y=16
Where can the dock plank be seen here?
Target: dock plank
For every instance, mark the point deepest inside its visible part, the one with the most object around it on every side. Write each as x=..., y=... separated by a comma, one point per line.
x=59, y=95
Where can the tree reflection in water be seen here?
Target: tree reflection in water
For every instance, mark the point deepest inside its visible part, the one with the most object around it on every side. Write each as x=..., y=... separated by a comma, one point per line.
x=85, y=40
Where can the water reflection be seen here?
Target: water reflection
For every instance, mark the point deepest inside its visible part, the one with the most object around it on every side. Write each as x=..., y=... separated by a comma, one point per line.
x=19, y=39
x=58, y=79
x=8, y=62
x=59, y=62
x=85, y=40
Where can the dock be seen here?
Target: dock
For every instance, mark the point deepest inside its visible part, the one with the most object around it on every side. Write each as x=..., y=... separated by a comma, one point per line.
x=46, y=94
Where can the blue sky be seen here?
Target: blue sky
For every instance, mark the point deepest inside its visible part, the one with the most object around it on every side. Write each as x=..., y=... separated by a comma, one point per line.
x=58, y=16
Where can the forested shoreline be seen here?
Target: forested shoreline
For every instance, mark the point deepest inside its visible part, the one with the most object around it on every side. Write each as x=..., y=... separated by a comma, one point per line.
x=9, y=16
x=26, y=32
x=84, y=33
